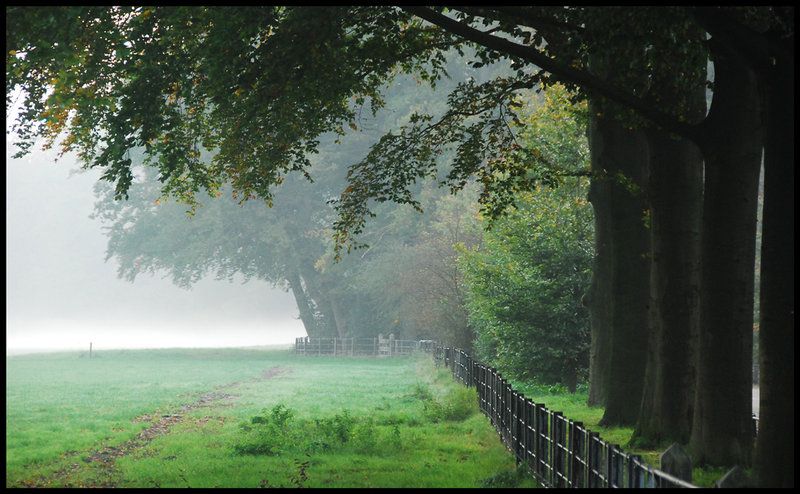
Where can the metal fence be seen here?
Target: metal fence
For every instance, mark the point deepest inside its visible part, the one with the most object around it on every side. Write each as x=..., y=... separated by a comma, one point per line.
x=558, y=451
x=359, y=346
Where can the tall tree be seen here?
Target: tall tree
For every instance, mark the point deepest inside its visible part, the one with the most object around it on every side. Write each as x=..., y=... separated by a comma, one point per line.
x=675, y=192
x=622, y=156
x=722, y=425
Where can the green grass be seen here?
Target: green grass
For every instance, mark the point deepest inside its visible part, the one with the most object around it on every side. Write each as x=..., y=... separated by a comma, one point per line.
x=410, y=424
x=574, y=407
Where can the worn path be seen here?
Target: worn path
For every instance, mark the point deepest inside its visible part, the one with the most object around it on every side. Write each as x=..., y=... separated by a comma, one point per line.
x=105, y=458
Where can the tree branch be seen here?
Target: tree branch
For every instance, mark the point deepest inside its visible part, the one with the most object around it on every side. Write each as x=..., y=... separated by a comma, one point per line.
x=521, y=17
x=749, y=45
x=566, y=73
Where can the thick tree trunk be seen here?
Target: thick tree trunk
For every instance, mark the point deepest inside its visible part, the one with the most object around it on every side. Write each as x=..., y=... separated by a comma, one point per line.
x=326, y=320
x=340, y=318
x=722, y=431
x=675, y=192
x=304, y=306
x=598, y=299
x=676, y=202
x=775, y=444
x=624, y=155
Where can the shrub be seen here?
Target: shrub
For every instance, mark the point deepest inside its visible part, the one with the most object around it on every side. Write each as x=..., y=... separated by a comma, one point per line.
x=457, y=405
x=267, y=433
x=365, y=436
x=337, y=428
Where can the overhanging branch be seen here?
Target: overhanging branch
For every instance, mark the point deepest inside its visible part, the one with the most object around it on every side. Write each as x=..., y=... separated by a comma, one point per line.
x=565, y=73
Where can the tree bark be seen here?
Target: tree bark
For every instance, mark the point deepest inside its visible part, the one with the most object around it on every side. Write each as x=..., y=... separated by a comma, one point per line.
x=598, y=300
x=722, y=427
x=624, y=155
x=775, y=444
x=675, y=193
x=676, y=201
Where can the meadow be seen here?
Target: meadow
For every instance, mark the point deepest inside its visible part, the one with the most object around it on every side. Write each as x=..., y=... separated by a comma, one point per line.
x=245, y=418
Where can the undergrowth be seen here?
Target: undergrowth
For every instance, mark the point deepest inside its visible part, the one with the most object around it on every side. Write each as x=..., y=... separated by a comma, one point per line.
x=278, y=431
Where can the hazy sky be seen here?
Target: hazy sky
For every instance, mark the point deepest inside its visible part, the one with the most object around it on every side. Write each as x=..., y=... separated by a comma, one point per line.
x=60, y=293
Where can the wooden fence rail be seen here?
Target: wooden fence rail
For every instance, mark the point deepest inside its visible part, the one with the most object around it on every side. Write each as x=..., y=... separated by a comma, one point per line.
x=378, y=346
x=558, y=451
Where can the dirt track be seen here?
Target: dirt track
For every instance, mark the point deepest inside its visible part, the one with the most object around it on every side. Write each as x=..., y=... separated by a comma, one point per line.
x=105, y=458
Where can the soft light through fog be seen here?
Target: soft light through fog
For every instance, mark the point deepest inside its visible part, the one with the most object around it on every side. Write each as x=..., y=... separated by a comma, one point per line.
x=61, y=294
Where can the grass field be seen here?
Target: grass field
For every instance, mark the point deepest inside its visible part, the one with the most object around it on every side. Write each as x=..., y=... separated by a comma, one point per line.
x=245, y=418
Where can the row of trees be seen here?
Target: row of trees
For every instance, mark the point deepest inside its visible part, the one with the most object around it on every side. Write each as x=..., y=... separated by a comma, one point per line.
x=668, y=313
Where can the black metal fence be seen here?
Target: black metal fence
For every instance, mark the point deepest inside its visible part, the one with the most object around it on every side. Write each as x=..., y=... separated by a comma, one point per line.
x=558, y=451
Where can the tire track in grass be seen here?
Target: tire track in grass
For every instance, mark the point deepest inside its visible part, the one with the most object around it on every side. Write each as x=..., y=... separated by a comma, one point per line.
x=105, y=459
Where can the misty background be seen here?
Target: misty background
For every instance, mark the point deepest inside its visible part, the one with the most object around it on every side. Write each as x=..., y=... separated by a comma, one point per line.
x=61, y=294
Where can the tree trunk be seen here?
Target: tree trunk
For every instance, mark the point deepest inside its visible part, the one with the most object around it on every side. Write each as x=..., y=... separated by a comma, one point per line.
x=304, y=306
x=598, y=300
x=623, y=153
x=341, y=319
x=775, y=444
x=676, y=202
x=326, y=320
x=722, y=427
x=675, y=192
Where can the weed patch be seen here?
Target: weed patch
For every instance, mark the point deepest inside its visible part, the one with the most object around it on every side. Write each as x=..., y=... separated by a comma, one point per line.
x=267, y=433
x=457, y=405
x=276, y=431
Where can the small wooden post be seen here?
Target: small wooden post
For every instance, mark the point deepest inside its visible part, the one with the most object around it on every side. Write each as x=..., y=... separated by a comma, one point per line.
x=334, y=346
x=90, y=349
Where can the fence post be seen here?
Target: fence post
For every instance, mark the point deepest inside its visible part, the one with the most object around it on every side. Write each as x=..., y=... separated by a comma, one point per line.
x=537, y=439
x=635, y=472
x=613, y=465
x=529, y=432
x=575, y=453
x=557, y=432
x=522, y=429
x=592, y=460
x=502, y=405
x=334, y=346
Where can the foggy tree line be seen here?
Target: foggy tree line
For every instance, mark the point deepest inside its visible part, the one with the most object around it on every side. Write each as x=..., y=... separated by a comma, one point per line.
x=671, y=305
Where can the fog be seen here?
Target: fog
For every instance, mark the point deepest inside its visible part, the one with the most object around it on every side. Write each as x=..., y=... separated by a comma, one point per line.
x=61, y=294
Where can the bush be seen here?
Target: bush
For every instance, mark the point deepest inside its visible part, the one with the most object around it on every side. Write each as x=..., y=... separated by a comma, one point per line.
x=457, y=405
x=421, y=391
x=365, y=436
x=267, y=433
x=337, y=429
